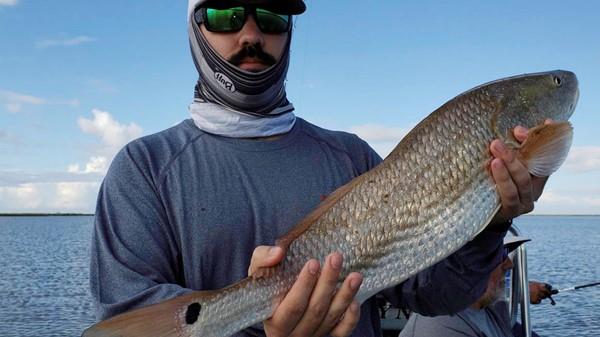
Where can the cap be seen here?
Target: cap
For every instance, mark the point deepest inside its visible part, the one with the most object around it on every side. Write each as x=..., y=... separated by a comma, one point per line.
x=512, y=242
x=292, y=7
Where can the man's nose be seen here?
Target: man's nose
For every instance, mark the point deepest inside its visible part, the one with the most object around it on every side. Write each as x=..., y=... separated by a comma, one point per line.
x=250, y=34
x=508, y=264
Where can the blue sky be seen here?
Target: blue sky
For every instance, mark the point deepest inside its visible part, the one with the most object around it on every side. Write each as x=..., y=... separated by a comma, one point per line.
x=79, y=79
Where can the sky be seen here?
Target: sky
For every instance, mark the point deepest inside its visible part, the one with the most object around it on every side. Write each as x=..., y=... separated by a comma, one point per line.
x=80, y=79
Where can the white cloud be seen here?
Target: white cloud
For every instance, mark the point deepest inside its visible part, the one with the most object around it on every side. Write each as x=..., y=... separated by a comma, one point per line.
x=48, y=192
x=14, y=101
x=114, y=136
x=64, y=42
x=583, y=159
x=23, y=197
x=49, y=197
x=8, y=2
x=379, y=133
x=74, y=196
x=96, y=164
x=569, y=201
x=382, y=138
x=12, y=96
x=76, y=189
x=18, y=178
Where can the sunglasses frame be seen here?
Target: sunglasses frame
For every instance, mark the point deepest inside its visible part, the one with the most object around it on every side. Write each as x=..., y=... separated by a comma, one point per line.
x=201, y=16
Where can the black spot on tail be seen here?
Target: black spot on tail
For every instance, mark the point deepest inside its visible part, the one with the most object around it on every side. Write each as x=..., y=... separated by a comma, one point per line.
x=192, y=313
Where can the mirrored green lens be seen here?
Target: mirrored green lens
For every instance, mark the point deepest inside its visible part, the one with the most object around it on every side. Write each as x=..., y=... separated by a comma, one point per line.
x=224, y=20
x=270, y=22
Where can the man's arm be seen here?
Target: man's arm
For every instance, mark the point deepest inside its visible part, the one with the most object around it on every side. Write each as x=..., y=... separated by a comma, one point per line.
x=134, y=257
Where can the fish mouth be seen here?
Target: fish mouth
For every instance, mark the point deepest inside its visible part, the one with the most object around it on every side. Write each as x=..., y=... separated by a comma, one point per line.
x=569, y=112
x=575, y=100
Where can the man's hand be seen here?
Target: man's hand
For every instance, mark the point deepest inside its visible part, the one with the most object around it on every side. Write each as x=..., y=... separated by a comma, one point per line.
x=518, y=189
x=538, y=291
x=313, y=306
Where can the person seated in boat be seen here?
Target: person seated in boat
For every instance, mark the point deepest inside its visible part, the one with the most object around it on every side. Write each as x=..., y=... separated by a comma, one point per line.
x=196, y=206
x=488, y=316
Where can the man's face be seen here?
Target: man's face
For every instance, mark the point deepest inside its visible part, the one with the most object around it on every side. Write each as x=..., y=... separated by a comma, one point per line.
x=496, y=284
x=249, y=49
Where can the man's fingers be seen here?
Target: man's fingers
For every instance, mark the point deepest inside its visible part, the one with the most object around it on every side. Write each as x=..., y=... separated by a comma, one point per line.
x=265, y=256
x=519, y=174
x=520, y=133
x=348, y=323
x=321, y=297
x=294, y=304
x=340, y=303
x=509, y=195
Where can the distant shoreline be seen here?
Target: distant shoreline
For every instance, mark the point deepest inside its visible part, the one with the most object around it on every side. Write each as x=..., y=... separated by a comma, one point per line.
x=46, y=214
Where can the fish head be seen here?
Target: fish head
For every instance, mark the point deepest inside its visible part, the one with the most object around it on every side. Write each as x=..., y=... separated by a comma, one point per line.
x=528, y=100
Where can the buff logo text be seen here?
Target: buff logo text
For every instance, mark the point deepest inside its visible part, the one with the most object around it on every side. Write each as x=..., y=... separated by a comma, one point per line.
x=225, y=82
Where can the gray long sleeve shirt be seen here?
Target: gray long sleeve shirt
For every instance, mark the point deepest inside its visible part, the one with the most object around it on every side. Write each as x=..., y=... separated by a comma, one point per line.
x=492, y=321
x=183, y=210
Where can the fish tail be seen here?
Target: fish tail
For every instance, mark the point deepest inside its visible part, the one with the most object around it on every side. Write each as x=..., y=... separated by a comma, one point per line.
x=546, y=148
x=171, y=318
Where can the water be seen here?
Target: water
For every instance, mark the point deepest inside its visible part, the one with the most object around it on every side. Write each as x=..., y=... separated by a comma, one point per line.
x=44, y=265
x=564, y=252
x=44, y=274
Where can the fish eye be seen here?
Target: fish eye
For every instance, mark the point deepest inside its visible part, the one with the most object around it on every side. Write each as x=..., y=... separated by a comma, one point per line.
x=557, y=81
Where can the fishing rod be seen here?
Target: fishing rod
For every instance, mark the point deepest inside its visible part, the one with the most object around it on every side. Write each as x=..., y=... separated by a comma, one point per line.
x=557, y=291
x=577, y=287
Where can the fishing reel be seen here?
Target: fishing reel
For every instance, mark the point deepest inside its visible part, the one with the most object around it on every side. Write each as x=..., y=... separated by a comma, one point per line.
x=552, y=292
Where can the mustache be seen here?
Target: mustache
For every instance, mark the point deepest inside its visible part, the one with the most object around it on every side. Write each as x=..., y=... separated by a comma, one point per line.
x=254, y=51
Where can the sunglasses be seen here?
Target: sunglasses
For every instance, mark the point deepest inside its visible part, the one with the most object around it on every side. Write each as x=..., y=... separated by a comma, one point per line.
x=233, y=19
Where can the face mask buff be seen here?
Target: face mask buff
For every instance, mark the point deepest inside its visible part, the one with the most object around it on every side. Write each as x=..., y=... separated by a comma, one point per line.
x=260, y=94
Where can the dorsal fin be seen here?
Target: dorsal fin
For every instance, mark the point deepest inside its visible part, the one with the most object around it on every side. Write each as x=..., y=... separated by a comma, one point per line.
x=546, y=148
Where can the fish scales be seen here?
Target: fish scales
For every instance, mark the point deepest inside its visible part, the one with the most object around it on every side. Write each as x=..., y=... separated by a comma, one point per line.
x=430, y=196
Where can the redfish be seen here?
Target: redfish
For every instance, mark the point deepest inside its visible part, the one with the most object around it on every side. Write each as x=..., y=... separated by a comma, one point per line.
x=429, y=197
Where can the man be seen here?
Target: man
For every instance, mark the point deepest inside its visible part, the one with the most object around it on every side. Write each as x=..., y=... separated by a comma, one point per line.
x=486, y=317
x=195, y=207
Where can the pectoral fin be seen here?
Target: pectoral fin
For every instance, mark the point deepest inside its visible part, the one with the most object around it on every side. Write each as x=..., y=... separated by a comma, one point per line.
x=546, y=148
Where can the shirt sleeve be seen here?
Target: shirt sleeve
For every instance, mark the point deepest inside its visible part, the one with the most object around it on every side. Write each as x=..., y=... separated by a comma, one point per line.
x=134, y=256
x=454, y=283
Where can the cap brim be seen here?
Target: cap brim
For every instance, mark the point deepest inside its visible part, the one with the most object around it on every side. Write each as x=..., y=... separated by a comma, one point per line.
x=512, y=242
x=291, y=7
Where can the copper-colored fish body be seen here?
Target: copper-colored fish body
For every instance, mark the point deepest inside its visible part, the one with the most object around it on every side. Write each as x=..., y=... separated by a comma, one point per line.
x=429, y=197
